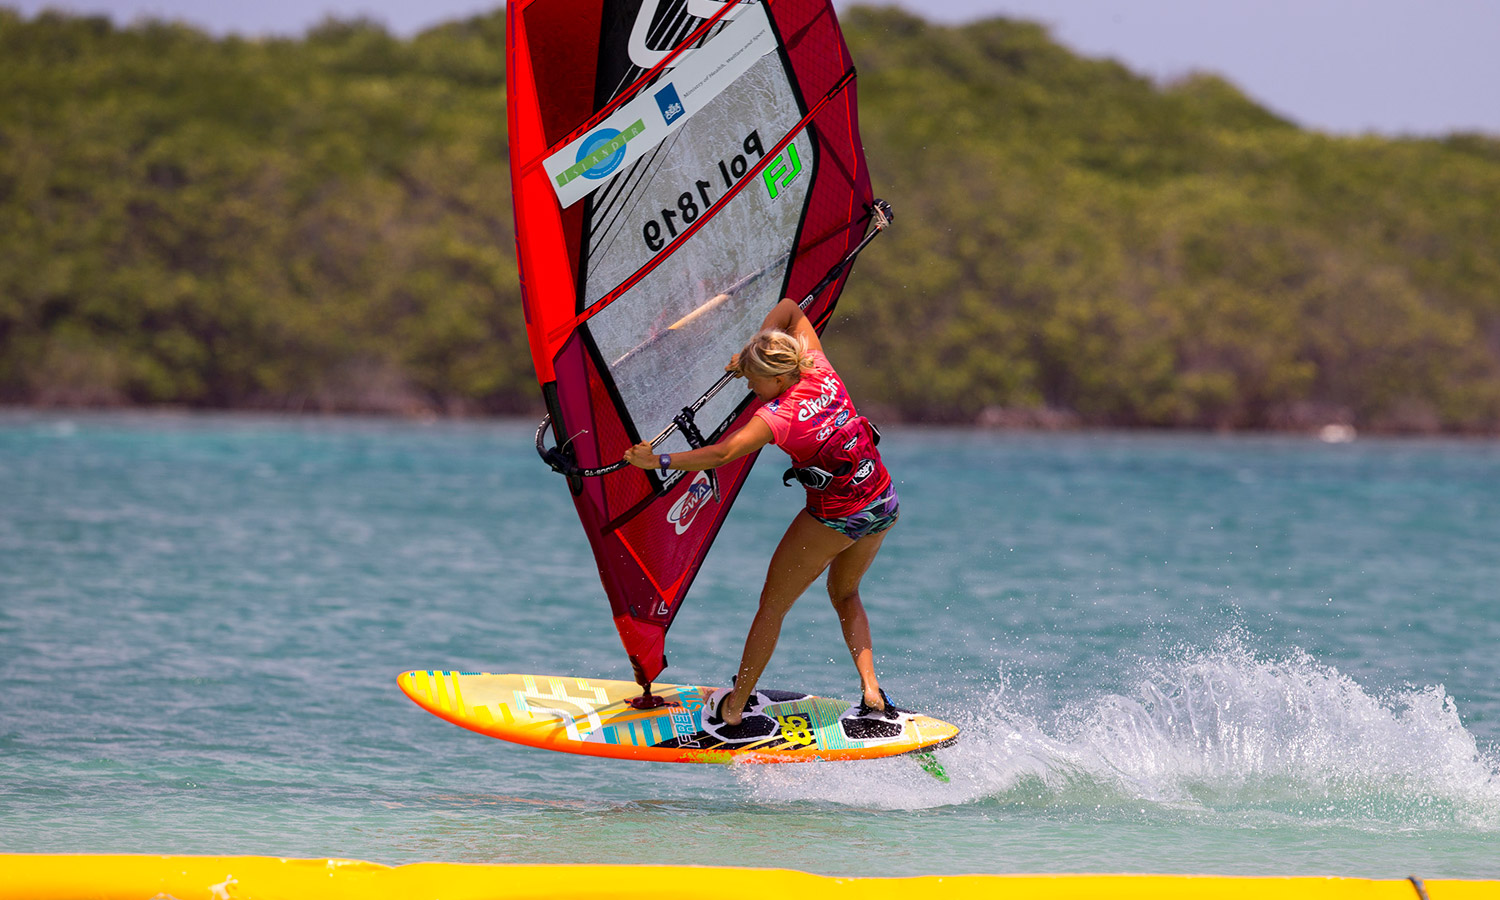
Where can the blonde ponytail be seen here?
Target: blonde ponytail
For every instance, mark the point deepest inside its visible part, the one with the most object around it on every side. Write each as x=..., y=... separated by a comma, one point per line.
x=774, y=353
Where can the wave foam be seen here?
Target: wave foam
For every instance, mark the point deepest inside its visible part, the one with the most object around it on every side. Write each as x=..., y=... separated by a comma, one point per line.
x=1222, y=732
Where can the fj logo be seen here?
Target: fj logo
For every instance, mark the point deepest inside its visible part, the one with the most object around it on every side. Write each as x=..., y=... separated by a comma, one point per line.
x=782, y=171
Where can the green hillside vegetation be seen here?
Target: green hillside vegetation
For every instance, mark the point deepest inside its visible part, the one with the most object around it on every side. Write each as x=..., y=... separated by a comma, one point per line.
x=325, y=224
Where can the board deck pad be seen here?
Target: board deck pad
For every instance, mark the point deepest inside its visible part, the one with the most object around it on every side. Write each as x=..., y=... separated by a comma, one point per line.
x=593, y=717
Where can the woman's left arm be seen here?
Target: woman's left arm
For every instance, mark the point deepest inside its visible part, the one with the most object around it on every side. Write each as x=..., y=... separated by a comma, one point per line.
x=788, y=316
x=740, y=442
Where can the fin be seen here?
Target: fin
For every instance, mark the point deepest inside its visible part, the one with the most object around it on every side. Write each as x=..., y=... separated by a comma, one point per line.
x=931, y=766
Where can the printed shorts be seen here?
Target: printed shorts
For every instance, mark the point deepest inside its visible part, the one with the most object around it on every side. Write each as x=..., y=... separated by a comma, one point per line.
x=873, y=519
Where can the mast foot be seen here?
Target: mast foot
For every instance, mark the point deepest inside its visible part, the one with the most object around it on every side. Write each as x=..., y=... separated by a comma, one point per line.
x=647, y=700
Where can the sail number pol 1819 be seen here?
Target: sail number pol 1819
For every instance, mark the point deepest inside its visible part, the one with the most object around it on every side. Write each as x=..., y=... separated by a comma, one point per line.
x=691, y=204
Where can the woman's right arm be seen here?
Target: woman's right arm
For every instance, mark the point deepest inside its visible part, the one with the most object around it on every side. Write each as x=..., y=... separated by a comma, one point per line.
x=745, y=440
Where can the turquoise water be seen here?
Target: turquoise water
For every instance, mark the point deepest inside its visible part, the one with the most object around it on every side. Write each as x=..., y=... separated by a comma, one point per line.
x=1230, y=655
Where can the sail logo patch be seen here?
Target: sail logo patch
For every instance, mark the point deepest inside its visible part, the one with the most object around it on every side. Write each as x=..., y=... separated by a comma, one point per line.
x=670, y=103
x=687, y=507
x=782, y=171
x=601, y=153
x=640, y=126
x=641, y=53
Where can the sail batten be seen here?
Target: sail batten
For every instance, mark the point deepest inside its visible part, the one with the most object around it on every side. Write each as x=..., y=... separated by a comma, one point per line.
x=678, y=166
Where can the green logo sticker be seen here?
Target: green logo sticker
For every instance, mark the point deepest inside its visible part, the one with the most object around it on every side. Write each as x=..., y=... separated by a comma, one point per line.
x=601, y=153
x=782, y=171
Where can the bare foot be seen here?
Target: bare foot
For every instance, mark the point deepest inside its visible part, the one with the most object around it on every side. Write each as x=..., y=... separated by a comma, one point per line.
x=731, y=710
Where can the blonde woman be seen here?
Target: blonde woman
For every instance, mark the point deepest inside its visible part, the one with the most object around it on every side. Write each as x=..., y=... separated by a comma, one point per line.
x=851, y=501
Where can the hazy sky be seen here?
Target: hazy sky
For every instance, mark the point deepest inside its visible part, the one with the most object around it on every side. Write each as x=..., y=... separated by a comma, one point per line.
x=1390, y=66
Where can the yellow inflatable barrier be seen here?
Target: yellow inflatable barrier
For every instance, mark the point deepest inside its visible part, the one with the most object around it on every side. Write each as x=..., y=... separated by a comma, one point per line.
x=97, y=877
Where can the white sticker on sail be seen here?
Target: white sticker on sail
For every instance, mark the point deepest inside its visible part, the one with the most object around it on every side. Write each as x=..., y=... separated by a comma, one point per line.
x=644, y=56
x=687, y=507
x=639, y=126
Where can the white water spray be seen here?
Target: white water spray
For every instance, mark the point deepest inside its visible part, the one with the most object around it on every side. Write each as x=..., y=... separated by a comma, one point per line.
x=1220, y=733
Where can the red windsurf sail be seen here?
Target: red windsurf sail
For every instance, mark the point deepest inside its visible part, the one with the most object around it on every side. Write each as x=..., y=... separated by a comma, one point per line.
x=677, y=166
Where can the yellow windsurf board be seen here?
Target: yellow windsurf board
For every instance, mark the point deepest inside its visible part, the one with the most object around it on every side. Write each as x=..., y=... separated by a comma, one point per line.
x=594, y=717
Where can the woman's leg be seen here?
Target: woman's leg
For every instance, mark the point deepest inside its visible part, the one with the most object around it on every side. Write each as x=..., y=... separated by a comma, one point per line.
x=804, y=552
x=843, y=589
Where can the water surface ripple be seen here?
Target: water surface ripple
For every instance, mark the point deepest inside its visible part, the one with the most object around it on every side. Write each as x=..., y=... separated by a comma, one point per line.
x=1169, y=653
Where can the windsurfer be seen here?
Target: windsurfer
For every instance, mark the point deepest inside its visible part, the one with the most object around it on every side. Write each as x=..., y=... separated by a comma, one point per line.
x=851, y=501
